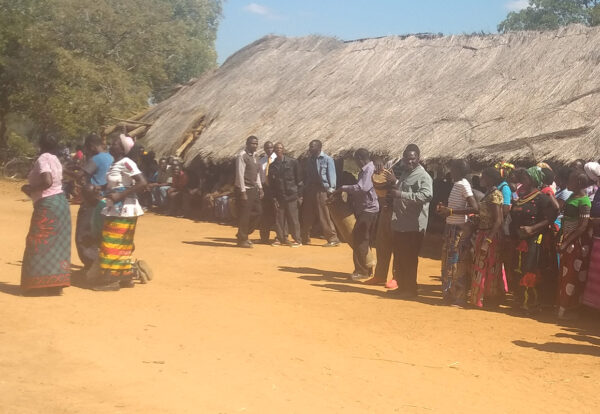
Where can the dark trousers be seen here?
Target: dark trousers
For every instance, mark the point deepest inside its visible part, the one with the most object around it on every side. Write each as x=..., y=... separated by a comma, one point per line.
x=384, y=241
x=362, y=237
x=267, y=220
x=249, y=212
x=87, y=247
x=406, y=249
x=315, y=207
x=287, y=219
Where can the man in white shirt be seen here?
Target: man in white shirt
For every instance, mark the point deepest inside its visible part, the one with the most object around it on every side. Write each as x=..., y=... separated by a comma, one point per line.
x=267, y=221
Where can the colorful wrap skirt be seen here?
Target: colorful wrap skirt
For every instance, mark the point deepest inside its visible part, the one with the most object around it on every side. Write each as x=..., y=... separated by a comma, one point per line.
x=591, y=293
x=116, y=248
x=574, y=262
x=526, y=269
x=47, y=257
x=456, y=263
x=487, y=282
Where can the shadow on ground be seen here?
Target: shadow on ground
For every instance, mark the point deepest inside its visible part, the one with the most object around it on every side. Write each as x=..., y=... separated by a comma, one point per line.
x=214, y=242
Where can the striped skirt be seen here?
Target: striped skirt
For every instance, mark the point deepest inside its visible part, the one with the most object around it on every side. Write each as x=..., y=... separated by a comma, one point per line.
x=117, y=247
x=591, y=293
x=47, y=257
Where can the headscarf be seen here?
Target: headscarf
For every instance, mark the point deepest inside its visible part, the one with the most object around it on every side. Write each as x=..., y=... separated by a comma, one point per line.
x=127, y=143
x=592, y=169
x=536, y=175
x=505, y=168
x=544, y=165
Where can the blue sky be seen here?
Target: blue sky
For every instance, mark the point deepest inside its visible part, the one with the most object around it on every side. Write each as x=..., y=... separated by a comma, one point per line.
x=246, y=21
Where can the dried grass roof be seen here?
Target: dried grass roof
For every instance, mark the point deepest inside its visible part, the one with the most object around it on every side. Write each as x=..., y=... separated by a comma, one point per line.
x=526, y=95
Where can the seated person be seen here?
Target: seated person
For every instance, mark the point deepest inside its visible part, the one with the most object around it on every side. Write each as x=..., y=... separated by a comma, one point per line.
x=193, y=196
x=176, y=191
x=160, y=184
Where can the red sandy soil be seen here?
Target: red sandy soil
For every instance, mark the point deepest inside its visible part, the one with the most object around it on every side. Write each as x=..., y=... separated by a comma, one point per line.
x=272, y=330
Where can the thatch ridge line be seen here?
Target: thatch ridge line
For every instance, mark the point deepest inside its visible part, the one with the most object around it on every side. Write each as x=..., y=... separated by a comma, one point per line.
x=384, y=93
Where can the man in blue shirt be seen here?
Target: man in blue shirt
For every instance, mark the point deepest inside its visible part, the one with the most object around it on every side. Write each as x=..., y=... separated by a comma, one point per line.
x=319, y=182
x=98, y=161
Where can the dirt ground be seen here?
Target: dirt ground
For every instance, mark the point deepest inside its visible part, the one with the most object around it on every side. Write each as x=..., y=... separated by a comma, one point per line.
x=272, y=330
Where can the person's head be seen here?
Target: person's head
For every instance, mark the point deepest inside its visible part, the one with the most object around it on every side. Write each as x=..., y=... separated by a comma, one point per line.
x=163, y=164
x=578, y=180
x=279, y=149
x=48, y=143
x=251, y=144
x=93, y=144
x=411, y=157
x=490, y=177
x=315, y=147
x=511, y=178
x=505, y=169
x=176, y=169
x=528, y=178
x=362, y=157
x=549, y=176
x=459, y=169
x=378, y=163
x=121, y=146
x=592, y=169
x=562, y=177
x=537, y=176
x=268, y=147
x=578, y=164
x=170, y=160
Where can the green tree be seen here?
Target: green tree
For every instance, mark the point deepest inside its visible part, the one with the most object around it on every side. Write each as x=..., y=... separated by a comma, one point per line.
x=68, y=65
x=552, y=14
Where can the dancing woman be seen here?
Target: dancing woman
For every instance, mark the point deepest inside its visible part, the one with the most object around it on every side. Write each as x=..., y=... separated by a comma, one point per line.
x=47, y=260
x=123, y=182
x=487, y=285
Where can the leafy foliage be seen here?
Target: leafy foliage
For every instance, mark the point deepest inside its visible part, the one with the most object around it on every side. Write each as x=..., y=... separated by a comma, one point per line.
x=552, y=14
x=69, y=64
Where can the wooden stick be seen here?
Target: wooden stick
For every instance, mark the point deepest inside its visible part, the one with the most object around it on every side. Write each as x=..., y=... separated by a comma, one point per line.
x=138, y=131
x=130, y=121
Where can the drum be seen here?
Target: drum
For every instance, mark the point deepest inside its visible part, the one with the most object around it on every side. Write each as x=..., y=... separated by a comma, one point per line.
x=344, y=220
x=380, y=184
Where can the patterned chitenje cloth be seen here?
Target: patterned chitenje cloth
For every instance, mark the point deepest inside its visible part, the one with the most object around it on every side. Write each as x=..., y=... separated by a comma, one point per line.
x=573, y=273
x=591, y=293
x=117, y=246
x=488, y=280
x=456, y=263
x=47, y=257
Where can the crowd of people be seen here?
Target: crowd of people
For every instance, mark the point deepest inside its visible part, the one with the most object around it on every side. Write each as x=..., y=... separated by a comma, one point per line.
x=525, y=232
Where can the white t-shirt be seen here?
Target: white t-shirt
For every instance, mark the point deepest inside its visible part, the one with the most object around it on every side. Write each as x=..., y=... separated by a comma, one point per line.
x=120, y=176
x=458, y=201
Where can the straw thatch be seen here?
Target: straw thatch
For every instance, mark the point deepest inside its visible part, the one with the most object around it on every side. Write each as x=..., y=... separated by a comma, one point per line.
x=526, y=95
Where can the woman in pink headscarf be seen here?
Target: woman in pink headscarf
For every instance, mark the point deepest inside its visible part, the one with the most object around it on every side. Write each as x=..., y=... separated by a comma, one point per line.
x=124, y=181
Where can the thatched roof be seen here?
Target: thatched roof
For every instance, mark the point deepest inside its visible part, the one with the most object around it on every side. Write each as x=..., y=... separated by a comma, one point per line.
x=527, y=95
